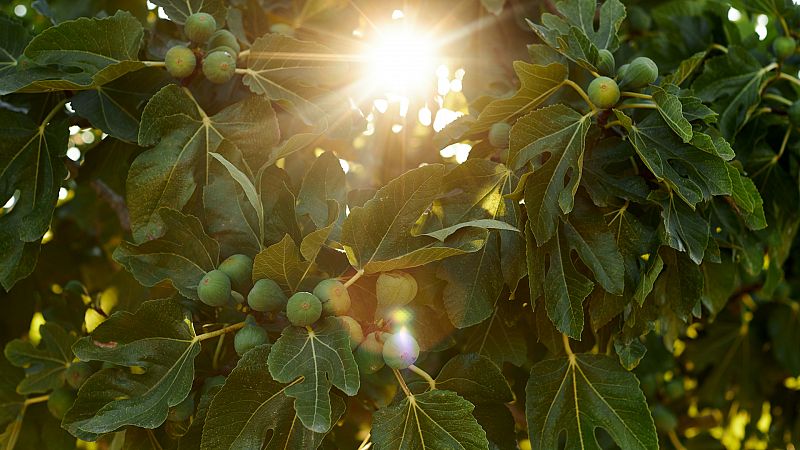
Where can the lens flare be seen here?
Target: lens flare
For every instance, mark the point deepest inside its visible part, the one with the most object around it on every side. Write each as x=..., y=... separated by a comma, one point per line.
x=401, y=61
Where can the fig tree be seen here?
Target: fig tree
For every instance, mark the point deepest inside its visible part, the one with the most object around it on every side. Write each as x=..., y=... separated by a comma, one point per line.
x=334, y=297
x=603, y=92
x=303, y=309
x=354, y=329
x=784, y=46
x=59, y=401
x=794, y=113
x=641, y=72
x=180, y=61
x=400, y=350
x=183, y=410
x=239, y=268
x=605, y=62
x=77, y=373
x=266, y=296
x=498, y=135
x=369, y=355
x=215, y=288
x=219, y=66
x=224, y=38
x=250, y=336
x=395, y=288
x=199, y=27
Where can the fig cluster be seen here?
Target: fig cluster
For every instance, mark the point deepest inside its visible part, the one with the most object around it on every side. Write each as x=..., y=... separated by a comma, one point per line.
x=214, y=50
x=604, y=91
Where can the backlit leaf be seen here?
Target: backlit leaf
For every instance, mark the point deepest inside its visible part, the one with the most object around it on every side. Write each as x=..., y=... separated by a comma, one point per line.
x=44, y=364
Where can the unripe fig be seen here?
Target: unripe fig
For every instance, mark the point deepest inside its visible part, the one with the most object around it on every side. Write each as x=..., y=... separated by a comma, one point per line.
x=639, y=19
x=215, y=288
x=303, y=309
x=239, y=268
x=334, y=297
x=369, y=355
x=623, y=69
x=400, y=350
x=60, y=401
x=77, y=373
x=784, y=46
x=498, y=135
x=395, y=288
x=266, y=296
x=199, y=27
x=605, y=62
x=224, y=38
x=183, y=410
x=224, y=48
x=664, y=419
x=219, y=67
x=794, y=113
x=641, y=72
x=237, y=297
x=603, y=92
x=249, y=337
x=180, y=61
x=354, y=329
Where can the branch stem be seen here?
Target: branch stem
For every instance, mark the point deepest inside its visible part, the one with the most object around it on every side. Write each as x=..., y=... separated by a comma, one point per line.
x=580, y=92
x=354, y=278
x=221, y=331
x=778, y=98
x=155, y=63
x=636, y=95
x=638, y=106
x=39, y=399
x=402, y=382
x=423, y=374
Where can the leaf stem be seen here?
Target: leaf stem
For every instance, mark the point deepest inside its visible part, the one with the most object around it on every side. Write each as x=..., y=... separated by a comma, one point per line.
x=217, y=352
x=719, y=47
x=567, y=348
x=636, y=95
x=221, y=331
x=39, y=399
x=789, y=78
x=778, y=98
x=242, y=71
x=613, y=123
x=423, y=374
x=51, y=114
x=402, y=383
x=155, y=63
x=675, y=441
x=638, y=106
x=580, y=92
x=244, y=53
x=354, y=278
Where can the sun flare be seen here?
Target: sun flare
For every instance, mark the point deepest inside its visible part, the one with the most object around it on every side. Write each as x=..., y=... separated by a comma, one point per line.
x=401, y=61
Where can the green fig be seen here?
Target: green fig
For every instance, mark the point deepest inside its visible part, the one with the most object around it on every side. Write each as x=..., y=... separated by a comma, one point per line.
x=266, y=296
x=250, y=336
x=395, y=288
x=239, y=268
x=77, y=373
x=180, y=61
x=199, y=27
x=303, y=309
x=641, y=72
x=784, y=46
x=605, y=62
x=224, y=38
x=499, y=135
x=334, y=297
x=369, y=355
x=354, y=329
x=400, y=350
x=219, y=66
x=603, y=92
x=214, y=289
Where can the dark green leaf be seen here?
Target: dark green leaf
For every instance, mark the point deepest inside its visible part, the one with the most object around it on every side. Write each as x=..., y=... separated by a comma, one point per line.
x=322, y=357
x=578, y=393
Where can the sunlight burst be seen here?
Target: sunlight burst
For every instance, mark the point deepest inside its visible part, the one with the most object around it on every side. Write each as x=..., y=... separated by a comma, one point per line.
x=401, y=61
